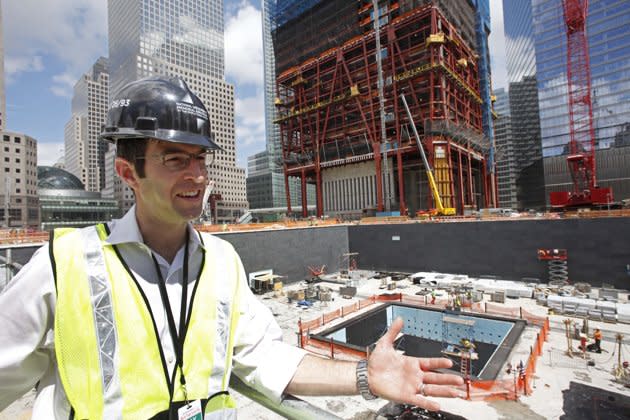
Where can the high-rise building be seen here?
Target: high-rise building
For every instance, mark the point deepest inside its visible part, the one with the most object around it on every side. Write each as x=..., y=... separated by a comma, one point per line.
x=84, y=152
x=18, y=181
x=182, y=38
x=505, y=156
x=262, y=182
x=527, y=176
x=536, y=45
x=3, y=105
x=267, y=186
x=347, y=132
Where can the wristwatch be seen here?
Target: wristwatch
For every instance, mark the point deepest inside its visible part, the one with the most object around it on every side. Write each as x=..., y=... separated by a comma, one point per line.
x=362, y=380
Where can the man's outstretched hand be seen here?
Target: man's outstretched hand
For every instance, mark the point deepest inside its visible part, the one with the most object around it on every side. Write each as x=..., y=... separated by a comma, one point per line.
x=409, y=380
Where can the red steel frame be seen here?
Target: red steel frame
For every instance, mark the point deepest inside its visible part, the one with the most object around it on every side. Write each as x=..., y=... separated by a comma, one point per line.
x=328, y=107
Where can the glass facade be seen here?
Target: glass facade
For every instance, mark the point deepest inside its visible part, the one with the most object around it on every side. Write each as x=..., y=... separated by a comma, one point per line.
x=527, y=176
x=144, y=34
x=536, y=47
x=182, y=38
x=609, y=51
x=265, y=188
x=65, y=203
x=505, y=157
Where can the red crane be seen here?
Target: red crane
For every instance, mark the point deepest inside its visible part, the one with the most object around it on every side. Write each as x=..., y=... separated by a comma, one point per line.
x=581, y=147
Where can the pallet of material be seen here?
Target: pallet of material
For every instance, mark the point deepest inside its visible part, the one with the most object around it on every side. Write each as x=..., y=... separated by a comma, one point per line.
x=556, y=303
x=623, y=312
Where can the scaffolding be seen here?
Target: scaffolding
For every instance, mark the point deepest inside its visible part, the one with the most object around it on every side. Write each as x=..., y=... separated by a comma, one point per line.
x=328, y=105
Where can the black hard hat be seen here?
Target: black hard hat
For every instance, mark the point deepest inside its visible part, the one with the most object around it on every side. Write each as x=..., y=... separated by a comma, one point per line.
x=158, y=107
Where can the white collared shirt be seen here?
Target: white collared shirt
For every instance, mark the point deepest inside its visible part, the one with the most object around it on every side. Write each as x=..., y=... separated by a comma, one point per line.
x=27, y=308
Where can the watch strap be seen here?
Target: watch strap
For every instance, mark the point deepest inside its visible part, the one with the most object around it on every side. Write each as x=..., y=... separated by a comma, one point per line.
x=362, y=380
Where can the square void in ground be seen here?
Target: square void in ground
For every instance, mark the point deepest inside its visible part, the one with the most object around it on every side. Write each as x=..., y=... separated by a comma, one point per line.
x=434, y=333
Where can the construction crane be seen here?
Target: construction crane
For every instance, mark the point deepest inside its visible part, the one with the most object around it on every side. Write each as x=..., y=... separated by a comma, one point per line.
x=439, y=210
x=581, y=147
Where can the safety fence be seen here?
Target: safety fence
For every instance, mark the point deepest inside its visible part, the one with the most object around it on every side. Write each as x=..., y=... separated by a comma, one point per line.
x=505, y=388
x=22, y=236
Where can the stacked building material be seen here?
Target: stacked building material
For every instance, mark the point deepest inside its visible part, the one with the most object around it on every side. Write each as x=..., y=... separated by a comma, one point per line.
x=623, y=312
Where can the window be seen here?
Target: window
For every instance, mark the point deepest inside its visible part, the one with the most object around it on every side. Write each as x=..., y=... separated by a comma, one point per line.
x=6, y=138
x=17, y=140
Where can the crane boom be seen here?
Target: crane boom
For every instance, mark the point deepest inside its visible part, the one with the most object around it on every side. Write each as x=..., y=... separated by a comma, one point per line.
x=445, y=211
x=581, y=147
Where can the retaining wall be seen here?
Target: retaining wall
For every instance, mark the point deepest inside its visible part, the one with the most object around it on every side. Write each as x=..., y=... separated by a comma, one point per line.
x=598, y=249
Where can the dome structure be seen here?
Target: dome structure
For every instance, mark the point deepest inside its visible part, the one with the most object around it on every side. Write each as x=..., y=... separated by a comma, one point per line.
x=51, y=178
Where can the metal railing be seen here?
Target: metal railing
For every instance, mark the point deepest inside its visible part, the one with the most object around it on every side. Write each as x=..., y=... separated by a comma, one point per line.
x=290, y=407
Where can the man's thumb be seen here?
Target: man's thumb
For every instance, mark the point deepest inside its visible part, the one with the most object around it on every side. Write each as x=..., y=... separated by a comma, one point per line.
x=393, y=332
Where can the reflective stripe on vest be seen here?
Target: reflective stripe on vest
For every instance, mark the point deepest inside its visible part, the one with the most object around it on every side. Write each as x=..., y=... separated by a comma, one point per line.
x=108, y=354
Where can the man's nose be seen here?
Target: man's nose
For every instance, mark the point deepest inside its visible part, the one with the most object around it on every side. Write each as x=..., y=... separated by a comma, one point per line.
x=197, y=170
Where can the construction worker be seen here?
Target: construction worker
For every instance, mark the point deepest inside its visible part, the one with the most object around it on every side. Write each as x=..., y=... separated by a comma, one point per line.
x=144, y=317
x=597, y=335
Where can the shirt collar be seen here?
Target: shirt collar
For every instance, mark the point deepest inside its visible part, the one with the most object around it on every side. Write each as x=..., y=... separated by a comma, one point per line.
x=126, y=230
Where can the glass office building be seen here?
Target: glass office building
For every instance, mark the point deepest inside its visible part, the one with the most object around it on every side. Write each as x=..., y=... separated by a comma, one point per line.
x=182, y=38
x=266, y=187
x=527, y=176
x=609, y=50
x=536, y=50
x=185, y=33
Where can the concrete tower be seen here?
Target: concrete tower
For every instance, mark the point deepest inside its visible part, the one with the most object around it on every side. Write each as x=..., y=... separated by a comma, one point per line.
x=182, y=38
x=84, y=152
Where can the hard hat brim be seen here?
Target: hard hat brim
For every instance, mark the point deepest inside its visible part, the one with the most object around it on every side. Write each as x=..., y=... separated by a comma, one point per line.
x=173, y=136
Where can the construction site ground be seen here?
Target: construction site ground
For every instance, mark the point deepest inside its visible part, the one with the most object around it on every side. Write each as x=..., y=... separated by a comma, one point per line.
x=563, y=387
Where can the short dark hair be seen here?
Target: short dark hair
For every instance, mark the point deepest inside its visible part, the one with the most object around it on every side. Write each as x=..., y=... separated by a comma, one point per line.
x=130, y=149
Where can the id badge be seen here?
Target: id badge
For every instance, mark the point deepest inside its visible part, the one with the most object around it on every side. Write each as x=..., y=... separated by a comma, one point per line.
x=190, y=411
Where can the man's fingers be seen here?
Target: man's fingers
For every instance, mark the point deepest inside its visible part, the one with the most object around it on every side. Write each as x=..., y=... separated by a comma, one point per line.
x=442, y=391
x=426, y=403
x=434, y=363
x=441, y=379
x=393, y=332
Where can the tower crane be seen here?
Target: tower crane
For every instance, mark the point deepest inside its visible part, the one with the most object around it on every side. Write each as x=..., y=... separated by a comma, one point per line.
x=581, y=146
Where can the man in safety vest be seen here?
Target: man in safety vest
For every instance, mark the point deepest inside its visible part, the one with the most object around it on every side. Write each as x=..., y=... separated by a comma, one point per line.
x=144, y=317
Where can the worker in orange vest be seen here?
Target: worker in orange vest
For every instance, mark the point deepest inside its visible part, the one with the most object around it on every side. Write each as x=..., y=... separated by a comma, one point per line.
x=597, y=335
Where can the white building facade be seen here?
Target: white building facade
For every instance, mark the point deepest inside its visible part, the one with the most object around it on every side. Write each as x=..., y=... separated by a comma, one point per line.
x=84, y=152
x=18, y=181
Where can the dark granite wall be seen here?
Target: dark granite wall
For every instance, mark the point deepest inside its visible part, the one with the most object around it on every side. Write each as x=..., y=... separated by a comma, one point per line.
x=598, y=249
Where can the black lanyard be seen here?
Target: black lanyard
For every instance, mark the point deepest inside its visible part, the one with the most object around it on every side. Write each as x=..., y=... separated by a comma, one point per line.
x=178, y=339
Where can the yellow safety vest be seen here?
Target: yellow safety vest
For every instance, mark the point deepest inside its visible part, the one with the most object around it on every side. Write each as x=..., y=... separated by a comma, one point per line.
x=109, y=357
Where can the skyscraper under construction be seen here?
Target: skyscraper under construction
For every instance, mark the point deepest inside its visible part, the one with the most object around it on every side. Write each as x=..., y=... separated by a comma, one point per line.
x=341, y=68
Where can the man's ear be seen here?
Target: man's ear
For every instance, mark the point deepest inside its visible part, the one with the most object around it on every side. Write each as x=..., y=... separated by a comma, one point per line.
x=126, y=172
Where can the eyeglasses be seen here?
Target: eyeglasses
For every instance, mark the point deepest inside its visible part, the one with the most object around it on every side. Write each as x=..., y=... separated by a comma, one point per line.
x=177, y=161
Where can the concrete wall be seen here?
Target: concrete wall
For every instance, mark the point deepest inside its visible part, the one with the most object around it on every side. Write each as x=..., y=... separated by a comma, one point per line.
x=598, y=249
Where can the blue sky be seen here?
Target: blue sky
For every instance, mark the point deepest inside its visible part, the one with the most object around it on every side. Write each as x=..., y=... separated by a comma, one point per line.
x=49, y=44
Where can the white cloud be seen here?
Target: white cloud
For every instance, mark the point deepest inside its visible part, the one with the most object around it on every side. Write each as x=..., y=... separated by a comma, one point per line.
x=244, y=66
x=49, y=153
x=250, y=130
x=243, y=45
x=63, y=85
x=497, y=46
x=71, y=32
x=14, y=65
